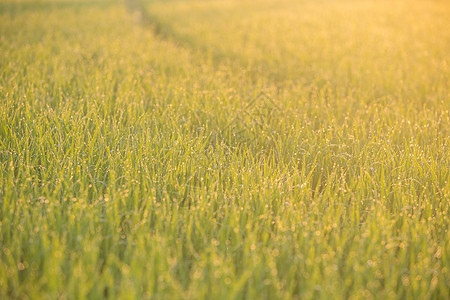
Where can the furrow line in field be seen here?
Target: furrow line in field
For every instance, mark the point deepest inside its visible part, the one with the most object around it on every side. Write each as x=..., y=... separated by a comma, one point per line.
x=165, y=31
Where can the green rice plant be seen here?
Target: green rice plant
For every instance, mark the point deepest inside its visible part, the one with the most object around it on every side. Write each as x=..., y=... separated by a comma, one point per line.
x=224, y=149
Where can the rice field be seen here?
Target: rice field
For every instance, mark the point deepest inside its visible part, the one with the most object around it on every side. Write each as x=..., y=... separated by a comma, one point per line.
x=224, y=149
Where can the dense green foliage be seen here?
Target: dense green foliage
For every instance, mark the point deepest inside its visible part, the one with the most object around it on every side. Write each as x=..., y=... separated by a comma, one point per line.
x=224, y=149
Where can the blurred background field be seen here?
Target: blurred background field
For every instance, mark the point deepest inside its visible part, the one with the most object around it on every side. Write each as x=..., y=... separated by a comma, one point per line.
x=224, y=149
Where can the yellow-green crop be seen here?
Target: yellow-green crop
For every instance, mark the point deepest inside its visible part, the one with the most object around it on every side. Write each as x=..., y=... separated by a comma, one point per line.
x=224, y=149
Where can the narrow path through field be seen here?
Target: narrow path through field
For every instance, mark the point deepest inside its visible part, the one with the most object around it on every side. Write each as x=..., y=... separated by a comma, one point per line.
x=165, y=31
